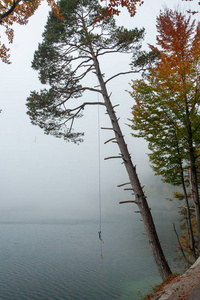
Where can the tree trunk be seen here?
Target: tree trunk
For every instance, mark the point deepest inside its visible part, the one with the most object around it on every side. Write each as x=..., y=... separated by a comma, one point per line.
x=140, y=198
x=195, y=196
x=189, y=223
x=193, y=173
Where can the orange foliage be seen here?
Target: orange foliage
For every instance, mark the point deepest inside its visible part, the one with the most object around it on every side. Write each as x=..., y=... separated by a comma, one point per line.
x=113, y=7
x=18, y=11
x=179, y=41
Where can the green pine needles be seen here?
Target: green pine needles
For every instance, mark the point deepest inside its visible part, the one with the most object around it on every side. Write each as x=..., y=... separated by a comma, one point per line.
x=65, y=59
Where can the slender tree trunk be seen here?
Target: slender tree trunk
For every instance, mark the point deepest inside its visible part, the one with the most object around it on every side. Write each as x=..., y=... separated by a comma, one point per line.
x=193, y=173
x=192, y=241
x=194, y=179
x=195, y=196
x=140, y=198
x=191, y=234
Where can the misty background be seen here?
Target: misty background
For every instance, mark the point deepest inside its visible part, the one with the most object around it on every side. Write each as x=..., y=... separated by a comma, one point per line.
x=44, y=177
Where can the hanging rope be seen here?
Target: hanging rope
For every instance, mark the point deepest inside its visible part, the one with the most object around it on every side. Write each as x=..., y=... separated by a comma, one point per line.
x=99, y=153
x=99, y=184
x=99, y=192
x=99, y=175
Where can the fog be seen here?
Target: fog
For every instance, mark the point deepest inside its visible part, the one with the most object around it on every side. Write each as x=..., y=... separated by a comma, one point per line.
x=45, y=177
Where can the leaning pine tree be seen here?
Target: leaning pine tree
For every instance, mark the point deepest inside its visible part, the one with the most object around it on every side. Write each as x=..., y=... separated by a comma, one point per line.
x=69, y=52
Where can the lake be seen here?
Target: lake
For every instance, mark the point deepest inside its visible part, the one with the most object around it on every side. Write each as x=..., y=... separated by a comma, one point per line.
x=64, y=259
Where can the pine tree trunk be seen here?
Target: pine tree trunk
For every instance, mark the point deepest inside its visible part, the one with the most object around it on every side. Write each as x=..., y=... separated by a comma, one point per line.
x=140, y=198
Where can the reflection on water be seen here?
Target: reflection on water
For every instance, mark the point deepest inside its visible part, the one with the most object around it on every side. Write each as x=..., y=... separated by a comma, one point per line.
x=66, y=260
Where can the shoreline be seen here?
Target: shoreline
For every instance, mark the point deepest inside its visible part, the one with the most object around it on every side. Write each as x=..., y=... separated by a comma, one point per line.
x=181, y=287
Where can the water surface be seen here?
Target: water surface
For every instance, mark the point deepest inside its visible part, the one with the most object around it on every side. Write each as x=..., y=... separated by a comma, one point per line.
x=65, y=260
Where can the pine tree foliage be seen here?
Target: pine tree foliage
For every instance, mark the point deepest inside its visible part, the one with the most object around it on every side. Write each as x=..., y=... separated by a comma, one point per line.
x=64, y=60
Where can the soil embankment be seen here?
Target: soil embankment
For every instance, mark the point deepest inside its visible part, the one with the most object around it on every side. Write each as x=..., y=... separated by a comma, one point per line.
x=183, y=287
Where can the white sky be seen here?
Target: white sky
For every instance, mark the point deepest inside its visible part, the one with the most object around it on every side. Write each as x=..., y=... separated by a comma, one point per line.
x=41, y=176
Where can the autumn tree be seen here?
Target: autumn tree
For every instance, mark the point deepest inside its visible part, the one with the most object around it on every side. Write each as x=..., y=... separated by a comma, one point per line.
x=166, y=111
x=113, y=7
x=69, y=53
x=18, y=11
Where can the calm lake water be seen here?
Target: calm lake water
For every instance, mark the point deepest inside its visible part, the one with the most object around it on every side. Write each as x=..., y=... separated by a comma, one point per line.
x=66, y=260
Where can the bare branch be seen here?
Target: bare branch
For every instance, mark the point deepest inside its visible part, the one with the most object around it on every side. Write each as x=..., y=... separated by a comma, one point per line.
x=181, y=248
x=115, y=105
x=128, y=201
x=122, y=73
x=123, y=184
x=112, y=157
x=109, y=140
x=107, y=128
x=71, y=125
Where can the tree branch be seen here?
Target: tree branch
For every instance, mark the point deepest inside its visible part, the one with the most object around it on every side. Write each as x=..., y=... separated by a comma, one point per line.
x=112, y=157
x=84, y=104
x=7, y=13
x=121, y=73
x=76, y=111
x=119, y=185
x=109, y=140
x=181, y=248
x=128, y=201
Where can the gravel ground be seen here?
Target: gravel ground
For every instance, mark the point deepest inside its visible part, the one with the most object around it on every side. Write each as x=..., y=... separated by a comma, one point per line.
x=184, y=287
